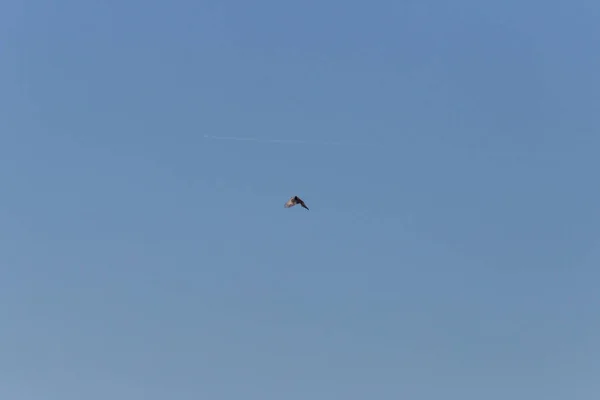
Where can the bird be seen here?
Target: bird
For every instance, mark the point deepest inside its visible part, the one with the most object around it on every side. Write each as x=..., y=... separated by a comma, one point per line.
x=293, y=201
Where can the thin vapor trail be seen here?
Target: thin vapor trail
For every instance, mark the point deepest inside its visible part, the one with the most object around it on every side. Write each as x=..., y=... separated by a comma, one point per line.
x=278, y=141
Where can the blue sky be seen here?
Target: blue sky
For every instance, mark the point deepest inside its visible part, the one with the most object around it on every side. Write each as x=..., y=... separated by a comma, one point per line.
x=454, y=255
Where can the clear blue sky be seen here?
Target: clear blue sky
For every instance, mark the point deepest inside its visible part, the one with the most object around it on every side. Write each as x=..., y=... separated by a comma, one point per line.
x=455, y=257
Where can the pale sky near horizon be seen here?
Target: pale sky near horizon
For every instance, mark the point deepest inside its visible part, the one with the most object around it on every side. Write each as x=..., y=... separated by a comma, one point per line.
x=455, y=255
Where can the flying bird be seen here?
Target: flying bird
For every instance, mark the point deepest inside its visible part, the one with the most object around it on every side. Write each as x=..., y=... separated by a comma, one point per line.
x=294, y=201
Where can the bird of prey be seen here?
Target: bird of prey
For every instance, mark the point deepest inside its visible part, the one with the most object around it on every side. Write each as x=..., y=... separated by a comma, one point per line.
x=293, y=201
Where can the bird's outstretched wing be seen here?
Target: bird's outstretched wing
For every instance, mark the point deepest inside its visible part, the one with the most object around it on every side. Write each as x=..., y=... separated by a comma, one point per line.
x=290, y=203
x=302, y=203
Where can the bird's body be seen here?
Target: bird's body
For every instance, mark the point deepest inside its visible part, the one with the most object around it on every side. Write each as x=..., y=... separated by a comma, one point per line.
x=294, y=201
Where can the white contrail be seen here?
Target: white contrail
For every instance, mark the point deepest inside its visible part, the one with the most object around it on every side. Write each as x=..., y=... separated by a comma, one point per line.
x=279, y=141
